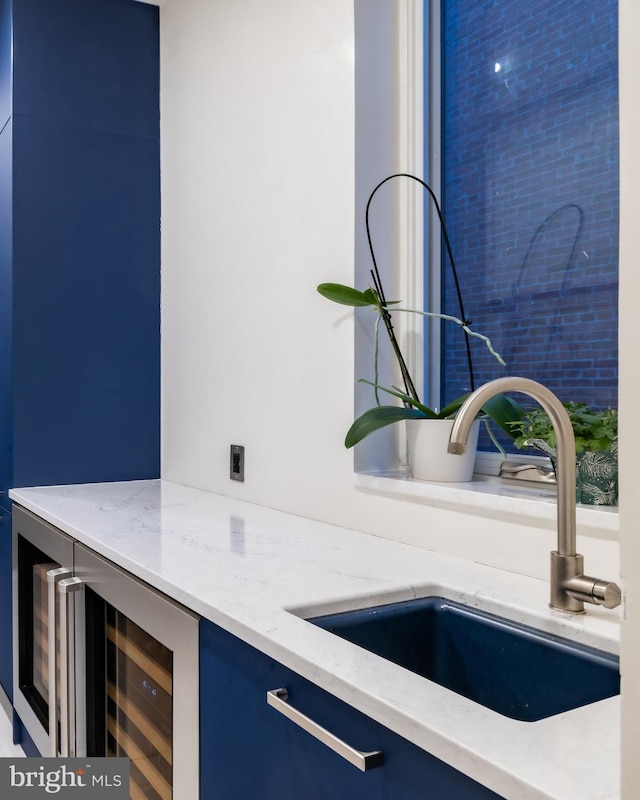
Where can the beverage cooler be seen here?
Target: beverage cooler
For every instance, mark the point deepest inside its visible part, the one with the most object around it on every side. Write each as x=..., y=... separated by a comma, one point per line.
x=103, y=664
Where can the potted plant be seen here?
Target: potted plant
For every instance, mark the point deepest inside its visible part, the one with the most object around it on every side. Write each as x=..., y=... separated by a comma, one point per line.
x=596, y=435
x=429, y=461
x=425, y=457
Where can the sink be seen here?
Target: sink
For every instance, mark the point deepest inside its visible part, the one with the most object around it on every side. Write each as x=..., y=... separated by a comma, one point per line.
x=520, y=672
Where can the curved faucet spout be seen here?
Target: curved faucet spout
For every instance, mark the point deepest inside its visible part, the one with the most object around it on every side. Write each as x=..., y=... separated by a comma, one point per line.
x=566, y=445
x=569, y=588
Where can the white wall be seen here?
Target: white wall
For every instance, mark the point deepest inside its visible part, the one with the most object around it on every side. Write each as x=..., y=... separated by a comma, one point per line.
x=258, y=167
x=258, y=116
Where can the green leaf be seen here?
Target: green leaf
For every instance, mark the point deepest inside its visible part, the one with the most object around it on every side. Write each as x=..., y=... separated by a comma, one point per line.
x=376, y=418
x=371, y=296
x=594, y=430
x=346, y=295
x=428, y=413
x=452, y=408
x=504, y=411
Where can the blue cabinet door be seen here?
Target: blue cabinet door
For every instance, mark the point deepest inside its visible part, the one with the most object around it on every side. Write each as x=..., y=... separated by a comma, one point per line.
x=86, y=308
x=79, y=242
x=250, y=751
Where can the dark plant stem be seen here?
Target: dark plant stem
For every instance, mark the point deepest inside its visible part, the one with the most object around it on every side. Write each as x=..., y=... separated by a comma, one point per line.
x=386, y=315
x=386, y=318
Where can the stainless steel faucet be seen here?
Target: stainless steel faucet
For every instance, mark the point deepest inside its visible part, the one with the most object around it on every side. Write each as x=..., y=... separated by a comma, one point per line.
x=570, y=588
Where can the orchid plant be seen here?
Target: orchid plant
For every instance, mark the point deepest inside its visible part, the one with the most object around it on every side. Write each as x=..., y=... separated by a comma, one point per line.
x=501, y=409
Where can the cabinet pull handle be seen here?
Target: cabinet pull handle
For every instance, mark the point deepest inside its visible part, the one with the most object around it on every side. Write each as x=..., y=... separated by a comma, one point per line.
x=277, y=698
x=72, y=740
x=54, y=576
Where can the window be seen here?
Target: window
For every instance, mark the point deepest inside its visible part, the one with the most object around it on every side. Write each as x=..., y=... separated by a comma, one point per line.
x=528, y=97
x=510, y=111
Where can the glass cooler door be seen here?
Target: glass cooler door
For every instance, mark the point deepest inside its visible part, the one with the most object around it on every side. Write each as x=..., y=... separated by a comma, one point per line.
x=139, y=706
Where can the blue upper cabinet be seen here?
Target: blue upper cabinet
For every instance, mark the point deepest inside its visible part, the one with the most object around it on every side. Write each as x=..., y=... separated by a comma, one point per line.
x=86, y=312
x=88, y=62
x=80, y=261
x=5, y=62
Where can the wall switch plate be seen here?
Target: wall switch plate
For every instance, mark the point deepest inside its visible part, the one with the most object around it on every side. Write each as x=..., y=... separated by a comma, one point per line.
x=236, y=463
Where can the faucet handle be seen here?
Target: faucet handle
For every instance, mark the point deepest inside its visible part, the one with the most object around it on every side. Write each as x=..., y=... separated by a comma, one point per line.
x=607, y=594
x=571, y=588
x=594, y=591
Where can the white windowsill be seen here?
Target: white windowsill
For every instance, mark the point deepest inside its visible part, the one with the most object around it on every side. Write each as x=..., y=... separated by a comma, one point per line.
x=491, y=496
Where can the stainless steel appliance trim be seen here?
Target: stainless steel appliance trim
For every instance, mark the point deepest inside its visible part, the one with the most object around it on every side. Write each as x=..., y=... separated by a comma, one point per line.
x=364, y=761
x=176, y=628
x=67, y=588
x=53, y=577
x=54, y=543
x=59, y=547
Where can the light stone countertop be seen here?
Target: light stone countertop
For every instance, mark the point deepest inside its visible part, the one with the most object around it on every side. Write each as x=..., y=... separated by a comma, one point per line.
x=256, y=571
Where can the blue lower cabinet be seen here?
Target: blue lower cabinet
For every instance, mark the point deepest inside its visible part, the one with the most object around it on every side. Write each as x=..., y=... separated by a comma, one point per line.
x=249, y=750
x=6, y=665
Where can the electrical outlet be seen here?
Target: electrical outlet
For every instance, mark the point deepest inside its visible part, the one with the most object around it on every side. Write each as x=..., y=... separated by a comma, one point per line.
x=236, y=463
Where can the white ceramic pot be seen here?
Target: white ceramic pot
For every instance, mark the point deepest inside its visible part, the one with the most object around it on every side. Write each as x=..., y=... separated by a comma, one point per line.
x=428, y=440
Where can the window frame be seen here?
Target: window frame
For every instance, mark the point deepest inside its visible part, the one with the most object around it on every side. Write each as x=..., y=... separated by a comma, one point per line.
x=392, y=53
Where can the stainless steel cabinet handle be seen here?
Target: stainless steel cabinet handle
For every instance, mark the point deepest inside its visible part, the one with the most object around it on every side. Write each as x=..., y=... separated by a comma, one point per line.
x=71, y=591
x=54, y=576
x=80, y=673
x=277, y=698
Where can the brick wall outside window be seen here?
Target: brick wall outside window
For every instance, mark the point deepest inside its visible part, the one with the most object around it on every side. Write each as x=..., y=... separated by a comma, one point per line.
x=530, y=191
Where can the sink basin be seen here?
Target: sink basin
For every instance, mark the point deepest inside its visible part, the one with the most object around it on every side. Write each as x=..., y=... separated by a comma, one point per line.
x=520, y=672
